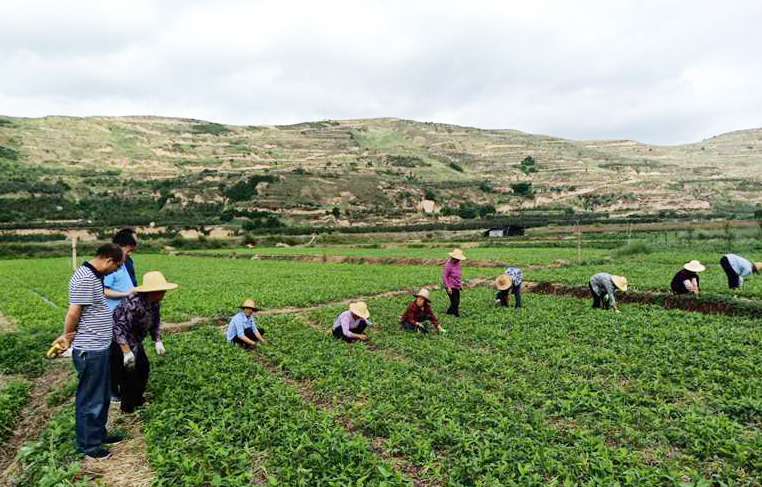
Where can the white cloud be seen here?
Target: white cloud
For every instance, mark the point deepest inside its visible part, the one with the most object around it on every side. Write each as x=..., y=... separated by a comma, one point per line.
x=660, y=72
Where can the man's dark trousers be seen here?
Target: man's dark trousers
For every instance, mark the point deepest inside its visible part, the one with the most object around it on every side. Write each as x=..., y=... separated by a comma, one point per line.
x=93, y=397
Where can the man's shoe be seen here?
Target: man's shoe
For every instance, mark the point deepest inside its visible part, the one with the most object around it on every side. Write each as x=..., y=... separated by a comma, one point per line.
x=113, y=439
x=99, y=454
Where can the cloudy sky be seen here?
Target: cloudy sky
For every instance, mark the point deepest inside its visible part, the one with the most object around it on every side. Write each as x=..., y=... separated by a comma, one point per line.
x=663, y=72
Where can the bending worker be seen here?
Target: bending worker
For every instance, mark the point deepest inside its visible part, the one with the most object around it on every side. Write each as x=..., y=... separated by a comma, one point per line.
x=419, y=313
x=603, y=287
x=350, y=325
x=509, y=282
x=134, y=318
x=736, y=268
x=687, y=279
x=243, y=329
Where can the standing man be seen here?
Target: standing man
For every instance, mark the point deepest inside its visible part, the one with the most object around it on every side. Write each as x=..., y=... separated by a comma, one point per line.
x=89, y=321
x=603, y=286
x=134, y=318
x=451, y=278
x=243, y=329
x=121, y=284
x=124, y=238
x=736, y=268
x=687, y=279
x=509, y=282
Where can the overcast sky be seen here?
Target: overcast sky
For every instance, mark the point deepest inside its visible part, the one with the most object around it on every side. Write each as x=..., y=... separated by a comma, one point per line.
x=656, y=71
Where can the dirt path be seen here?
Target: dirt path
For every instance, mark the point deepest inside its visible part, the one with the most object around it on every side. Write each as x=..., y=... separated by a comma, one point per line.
x=6, y=324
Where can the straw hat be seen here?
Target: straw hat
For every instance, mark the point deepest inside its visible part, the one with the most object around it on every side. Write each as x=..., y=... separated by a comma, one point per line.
x=154, y=281
x=249, y=303
x=694, y=266
x=620, y=282
x=423, y=293
x=360, y=309
x=457, y=254
x=504, y=282
x=758, y=266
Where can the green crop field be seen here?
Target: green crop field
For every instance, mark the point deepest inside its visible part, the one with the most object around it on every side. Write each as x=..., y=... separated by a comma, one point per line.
x=554, y=393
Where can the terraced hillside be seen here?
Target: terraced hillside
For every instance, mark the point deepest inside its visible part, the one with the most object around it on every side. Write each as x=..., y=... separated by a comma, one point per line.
x=110, y=170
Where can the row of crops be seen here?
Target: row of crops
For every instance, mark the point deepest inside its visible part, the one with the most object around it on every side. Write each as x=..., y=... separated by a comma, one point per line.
x=554, y=393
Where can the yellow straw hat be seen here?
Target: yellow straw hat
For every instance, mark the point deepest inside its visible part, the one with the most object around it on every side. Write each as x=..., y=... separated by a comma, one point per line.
x=249, y=303
x=457, y=254
x=620, y=282
x=503, y=282
x=758, y=266
x=154, y=281
x=360, y=309
x=694, y=266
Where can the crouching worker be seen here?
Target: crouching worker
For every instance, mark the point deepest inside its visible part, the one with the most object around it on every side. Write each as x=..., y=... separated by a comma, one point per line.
x=134, y=318
x=350, y=325
x=737, y=268
x=243, y=329
x=687, y=279
x=603, y=286
x=509, y=282
x=419, y=313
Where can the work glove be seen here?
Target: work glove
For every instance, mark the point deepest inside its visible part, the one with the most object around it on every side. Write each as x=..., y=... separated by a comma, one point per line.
x=160, y=348
x=129, y=360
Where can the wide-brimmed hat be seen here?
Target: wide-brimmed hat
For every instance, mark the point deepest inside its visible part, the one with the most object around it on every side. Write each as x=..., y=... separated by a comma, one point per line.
x=423, y=293
x=457, y=254
x=620, y=282
x=503, y=282
x=360, y=309
x=249, y=303
x=758, y=266
x=154, y=281
x=694, y=266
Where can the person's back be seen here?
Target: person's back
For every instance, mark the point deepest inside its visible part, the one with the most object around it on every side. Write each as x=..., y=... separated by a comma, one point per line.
x=678, y=281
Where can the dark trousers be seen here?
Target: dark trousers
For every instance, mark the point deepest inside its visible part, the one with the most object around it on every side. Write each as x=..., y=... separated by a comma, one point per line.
x=454, y=302
x=129, y=385
x=733, y=281
x=502, y=296
x=597, y=300
x=93, y=397
x=250, y=335
x=424, y=328
x=338, y=333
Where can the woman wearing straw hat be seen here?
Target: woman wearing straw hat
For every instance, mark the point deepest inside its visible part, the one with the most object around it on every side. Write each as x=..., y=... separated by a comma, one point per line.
x=134, y=318
x=350, y=325
x=509, y=282
x=736, y=268
x=418, y=313
x=451, y=278
x=687, y=279
x=243, y=329
x=603, y=287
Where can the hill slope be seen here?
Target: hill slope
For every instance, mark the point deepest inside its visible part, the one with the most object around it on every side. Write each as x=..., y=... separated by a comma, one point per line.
x=137, y=169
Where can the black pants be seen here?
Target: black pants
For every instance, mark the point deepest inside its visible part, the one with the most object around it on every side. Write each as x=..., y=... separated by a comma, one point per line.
x=733, y=281
x=597, y=300
x=250, y=335
x=338, y=333
x=454, y=302
x=129, y=385
x=424, y=328
x=502, y=296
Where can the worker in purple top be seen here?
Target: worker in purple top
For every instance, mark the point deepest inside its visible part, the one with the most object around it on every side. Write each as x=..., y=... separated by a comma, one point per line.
x=350, y=325
x=451, y=278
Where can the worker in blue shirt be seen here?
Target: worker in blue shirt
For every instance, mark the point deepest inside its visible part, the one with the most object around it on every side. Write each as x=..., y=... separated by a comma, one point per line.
x=243, y=329
x=736, y=268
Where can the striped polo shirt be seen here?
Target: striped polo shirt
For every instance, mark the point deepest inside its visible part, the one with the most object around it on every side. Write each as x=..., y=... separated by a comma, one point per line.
x=96, y=324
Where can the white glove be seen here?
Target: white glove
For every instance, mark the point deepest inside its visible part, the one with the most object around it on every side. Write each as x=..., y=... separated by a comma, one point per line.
x=129, y=360
x=160, y=348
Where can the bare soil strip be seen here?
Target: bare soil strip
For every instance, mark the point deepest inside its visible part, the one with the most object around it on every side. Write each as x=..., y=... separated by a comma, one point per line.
x=340, y=259
x=6, y=324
